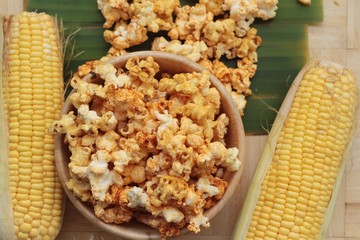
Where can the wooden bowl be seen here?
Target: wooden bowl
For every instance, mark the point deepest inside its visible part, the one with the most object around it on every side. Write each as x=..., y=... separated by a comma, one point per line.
x=234, y=138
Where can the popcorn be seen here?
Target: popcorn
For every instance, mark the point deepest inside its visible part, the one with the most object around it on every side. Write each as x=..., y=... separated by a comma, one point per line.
x=126, y=35
x=204, y=33
x=190, y=21
x=194, y=51
x=154, y=15
x=147, y=148
x=113, y=11
x=99, y=182
x=221, y=39
x=169, y=141
x=165, y=228
x=213, y=6
x=220, y=128
x=113, y=214
x=137, y=197
x=203, y=184
x=172, y=215
x=244, y=12
x=107, y=72
x=197, y=221
x=107, y=141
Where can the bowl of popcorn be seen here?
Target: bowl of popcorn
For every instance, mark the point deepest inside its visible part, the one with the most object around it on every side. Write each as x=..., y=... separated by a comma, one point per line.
x=149, y=145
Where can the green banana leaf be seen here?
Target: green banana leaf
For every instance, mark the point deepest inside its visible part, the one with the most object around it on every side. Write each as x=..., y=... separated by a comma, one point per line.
x=283, y=52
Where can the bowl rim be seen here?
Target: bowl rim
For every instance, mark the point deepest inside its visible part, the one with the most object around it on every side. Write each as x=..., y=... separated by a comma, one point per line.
x=121, y=229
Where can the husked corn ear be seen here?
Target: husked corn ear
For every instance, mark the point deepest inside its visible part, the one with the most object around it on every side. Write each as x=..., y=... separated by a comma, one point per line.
x=33, y=96
x=295, y=185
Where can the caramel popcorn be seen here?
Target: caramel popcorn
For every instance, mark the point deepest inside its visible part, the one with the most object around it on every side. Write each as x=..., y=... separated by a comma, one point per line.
x=135, y=155
x=194, y=51
x=154, y=15
x=126, y=35
x=190, y=21
x=113, y=11
x=204, y=33
x=216, y=7
x=244, y=12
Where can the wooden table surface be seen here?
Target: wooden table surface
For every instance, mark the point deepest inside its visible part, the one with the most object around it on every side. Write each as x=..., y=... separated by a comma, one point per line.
x=336, y=39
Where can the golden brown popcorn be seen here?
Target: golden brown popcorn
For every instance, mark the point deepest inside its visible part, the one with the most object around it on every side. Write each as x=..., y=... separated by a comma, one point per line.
x=142, y=73
x=80, y=156
x=113, y=11
x=189, y=22
x=158, y=164
x=141, y=152
x=236, y=80
x=124, y=103
x=194, y=34
x=107, y=141
x=108, y=122
x=249, y=45
x=85, y=68
x=144, y=70
x=166, y=229
x=112, y=214
x=239, y=78
x=194, y=51
x=81, y=189
x=244, y=12
x=88, y=140
x=213, y=6
x=221, y=39
x=85, y=92
x=66, y=123
x=220, y=185
x=164, y=9
x=126, y=35
x=266, y=9
x=154, y=15
x=164, y=189
x=112, y=53
x=208, y=190
x=220, y=128
x=109, y=74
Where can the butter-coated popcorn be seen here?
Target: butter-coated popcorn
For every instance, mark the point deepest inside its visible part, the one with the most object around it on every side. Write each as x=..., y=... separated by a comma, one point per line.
x=203, y=184
x=154, y=15
x=113, y=11
x=112, y=214
x=205, y=32
x=195, y=222
x=165, y=228
x=216, y=7
x=80, y=188
x=189, y=22
x=221, y=38
x=154, y=155
x=126, y=35
x=194, y=51
x=244, y=12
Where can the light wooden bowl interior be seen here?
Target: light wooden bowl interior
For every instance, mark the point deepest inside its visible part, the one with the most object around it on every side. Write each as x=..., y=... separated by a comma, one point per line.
x=235, y=137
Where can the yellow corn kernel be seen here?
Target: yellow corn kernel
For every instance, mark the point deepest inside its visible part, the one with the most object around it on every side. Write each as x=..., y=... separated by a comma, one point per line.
x=318, y=129
x=32, y=100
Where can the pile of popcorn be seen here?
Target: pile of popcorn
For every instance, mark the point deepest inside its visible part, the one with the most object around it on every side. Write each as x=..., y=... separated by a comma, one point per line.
x=148, y=146
x=204, y=33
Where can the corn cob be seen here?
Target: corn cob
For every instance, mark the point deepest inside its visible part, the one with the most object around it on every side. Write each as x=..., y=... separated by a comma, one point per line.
x=294, y=187
x=33, y=96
